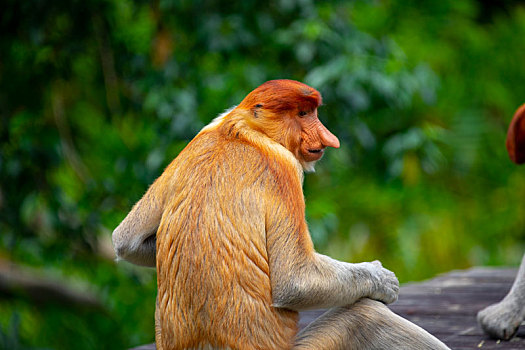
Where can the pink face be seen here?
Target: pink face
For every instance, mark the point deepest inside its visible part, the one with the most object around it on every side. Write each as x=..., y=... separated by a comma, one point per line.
x=315, y=137
x=286, y=110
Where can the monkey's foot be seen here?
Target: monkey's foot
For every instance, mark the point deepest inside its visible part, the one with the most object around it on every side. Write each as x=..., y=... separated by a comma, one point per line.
x=501, y=320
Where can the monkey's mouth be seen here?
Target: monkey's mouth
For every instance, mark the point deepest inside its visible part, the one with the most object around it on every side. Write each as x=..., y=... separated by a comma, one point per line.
x=313, y=154
x=320, y=150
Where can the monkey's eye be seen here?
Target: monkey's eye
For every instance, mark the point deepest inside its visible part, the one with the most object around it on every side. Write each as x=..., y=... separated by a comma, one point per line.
x=302, y=113
x=258, y=105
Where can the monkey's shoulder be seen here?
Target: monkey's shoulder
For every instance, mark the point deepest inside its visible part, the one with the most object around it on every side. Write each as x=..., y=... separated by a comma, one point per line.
x=212, y=151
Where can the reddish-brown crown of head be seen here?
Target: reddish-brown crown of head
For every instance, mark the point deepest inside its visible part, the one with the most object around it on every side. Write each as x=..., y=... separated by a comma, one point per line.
x=282, y=95
x=516, y=137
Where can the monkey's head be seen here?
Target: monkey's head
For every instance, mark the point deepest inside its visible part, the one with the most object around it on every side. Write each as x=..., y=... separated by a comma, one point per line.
x=286, y=111
x=516, y=136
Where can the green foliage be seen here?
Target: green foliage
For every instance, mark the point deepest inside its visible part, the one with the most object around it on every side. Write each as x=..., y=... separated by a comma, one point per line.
x=97, y=97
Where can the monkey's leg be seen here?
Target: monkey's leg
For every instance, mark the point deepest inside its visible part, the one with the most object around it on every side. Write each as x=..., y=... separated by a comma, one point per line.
x=367, y=324
x=502, y=320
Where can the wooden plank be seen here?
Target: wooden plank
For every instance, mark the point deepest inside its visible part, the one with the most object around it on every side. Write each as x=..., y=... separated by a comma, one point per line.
x=447, y=305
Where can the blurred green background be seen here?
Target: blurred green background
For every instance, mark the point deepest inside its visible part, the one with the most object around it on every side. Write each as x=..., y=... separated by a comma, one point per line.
x=98, y=96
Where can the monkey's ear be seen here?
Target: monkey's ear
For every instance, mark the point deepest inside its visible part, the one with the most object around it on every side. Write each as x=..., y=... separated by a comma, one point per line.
x=255, y=110
x=516, y=137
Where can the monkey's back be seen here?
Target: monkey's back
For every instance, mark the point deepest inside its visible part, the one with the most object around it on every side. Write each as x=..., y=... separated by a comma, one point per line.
x=212, y=262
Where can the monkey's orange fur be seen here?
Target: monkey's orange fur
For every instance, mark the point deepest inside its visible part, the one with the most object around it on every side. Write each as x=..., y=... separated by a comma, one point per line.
x=234, y=257
x=225, y=188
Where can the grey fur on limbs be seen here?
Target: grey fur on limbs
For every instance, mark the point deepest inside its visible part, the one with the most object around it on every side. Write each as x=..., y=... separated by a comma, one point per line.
x=502, y=320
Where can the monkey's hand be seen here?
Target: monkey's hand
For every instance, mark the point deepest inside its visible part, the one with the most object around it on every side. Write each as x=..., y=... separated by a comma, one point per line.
x=501, y=320
x=385, y=286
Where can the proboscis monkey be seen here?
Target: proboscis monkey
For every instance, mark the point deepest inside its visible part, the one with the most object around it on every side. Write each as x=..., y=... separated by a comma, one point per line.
x=502, y=320
x=235, y=261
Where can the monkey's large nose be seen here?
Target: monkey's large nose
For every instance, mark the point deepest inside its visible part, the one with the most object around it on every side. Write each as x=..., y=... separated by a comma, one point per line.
x=327, y=138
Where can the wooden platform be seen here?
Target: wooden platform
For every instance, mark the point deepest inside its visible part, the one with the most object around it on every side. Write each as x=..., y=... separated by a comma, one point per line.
x=447, y=305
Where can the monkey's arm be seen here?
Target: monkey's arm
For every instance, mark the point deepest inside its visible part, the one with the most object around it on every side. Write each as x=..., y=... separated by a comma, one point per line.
x=502, y=320
x=135, y=238
x=317, y=281
x=303, y=279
